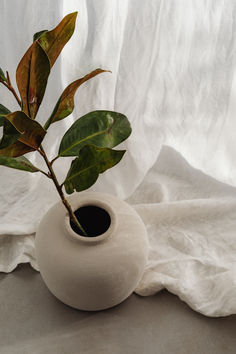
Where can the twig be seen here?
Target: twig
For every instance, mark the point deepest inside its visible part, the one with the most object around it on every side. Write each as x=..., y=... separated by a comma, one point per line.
x=45, y=173
x=55, y=158
x=9, y=86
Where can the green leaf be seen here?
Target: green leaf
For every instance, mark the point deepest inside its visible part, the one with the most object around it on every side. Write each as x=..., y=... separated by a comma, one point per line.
x=38, y=34
x=10, y=135
x=16, y=149
x=1, y=120
x=2, y=76
x=65, y=104
x=100, y=128
x=32, y=132
x=19, y=163
x=53, y=41
x=3, y=112
x=86, y=168
x=31, y=77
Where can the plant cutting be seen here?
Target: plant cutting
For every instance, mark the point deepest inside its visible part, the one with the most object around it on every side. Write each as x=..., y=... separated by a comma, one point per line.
x=90, y=140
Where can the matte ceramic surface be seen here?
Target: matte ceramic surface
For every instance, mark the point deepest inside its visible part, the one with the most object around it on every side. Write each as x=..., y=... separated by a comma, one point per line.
x=92, y=273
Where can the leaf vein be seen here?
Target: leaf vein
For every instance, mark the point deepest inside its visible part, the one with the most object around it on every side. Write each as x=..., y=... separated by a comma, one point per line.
x=82, y=140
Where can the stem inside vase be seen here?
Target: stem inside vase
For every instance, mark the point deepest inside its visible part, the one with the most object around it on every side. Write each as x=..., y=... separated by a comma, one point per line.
x=95, y=220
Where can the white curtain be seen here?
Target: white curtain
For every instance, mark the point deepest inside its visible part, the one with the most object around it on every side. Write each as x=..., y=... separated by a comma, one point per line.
x=173, y=75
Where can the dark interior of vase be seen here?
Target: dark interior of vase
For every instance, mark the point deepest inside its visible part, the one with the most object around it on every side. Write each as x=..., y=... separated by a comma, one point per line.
x=94, y=220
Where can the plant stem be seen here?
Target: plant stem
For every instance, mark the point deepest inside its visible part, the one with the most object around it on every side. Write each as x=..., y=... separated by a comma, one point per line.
x=11, y=88
x=55, y=158
x=59, y=189
x=44, y=173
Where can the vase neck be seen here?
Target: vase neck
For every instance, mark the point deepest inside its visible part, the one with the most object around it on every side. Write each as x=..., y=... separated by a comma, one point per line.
x=94, y=239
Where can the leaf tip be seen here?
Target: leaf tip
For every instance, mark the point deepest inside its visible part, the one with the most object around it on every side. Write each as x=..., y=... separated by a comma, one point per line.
x=104, y=71
x=2, y=76
x=72, y=15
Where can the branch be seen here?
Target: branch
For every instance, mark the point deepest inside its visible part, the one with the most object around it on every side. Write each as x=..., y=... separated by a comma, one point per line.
x=55, y=158
x=11, y=88
x=45, y=173
x=59, y=189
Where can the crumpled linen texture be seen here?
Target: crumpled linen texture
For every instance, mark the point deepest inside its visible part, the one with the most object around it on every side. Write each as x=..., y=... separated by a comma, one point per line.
x=191, y=224
x=173, y=75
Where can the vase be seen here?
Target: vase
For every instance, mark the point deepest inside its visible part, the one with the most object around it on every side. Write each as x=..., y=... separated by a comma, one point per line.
x=92, y=272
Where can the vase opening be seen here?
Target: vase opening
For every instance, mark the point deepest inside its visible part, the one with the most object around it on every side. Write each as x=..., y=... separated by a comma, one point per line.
x=94, y=220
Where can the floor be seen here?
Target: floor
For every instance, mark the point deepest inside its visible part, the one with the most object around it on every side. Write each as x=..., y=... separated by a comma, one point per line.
x=33, y=321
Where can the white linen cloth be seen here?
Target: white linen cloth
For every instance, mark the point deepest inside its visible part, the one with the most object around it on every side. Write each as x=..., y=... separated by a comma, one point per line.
x=191, y=223
x=173, y=75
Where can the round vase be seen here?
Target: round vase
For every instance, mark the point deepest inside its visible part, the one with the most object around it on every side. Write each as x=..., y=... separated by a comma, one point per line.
x=92, y=273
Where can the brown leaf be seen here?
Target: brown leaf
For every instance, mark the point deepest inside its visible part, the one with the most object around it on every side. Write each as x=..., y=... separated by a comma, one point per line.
x=32, y=132
x=31, y=77
x=15, y=150
x=53, y=41
x=65, y=104
x=10, y=135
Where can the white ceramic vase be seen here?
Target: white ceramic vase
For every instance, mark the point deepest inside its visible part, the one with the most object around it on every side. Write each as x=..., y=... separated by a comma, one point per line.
x=92, y=273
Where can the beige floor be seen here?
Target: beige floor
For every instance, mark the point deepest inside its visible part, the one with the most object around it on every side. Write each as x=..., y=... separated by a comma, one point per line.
x=32, y=321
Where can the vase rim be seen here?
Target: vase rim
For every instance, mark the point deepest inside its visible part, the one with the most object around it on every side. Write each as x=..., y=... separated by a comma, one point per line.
x=91, y=201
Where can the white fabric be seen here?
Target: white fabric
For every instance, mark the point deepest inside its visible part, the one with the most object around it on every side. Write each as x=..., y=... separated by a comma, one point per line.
x=191, y=223
x=173, y=75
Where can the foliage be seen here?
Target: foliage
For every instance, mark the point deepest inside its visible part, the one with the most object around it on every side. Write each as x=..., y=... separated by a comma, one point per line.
x=90, y=139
